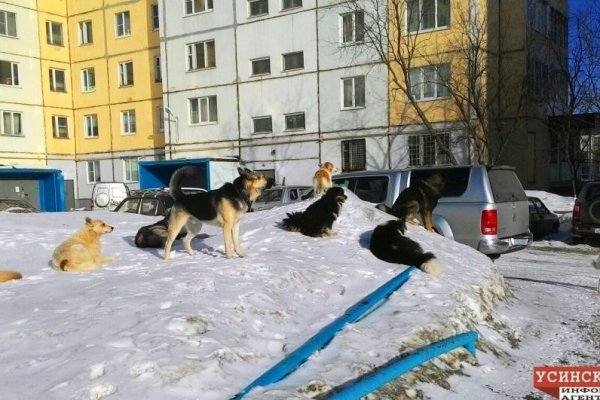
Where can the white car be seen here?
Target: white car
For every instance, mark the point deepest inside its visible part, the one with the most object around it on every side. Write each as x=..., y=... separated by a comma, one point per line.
x=278, y=196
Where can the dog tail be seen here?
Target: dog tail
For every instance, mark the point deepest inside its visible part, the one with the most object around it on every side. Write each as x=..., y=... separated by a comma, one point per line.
x=9, y=275
x=431, y=266
x=177, y=181
x=293, y=221
x=384, y=208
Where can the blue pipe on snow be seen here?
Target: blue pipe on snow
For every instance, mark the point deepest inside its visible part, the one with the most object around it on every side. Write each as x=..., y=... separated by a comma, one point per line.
x=380, y=377
x=356, y=312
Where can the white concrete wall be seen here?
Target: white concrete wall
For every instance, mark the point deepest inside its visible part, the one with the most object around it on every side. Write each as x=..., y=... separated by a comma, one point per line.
x=314, y=89
x=26, y=98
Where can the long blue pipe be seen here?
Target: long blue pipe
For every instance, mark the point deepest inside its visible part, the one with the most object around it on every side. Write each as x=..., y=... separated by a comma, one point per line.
x=384, y=375
x=359, y=310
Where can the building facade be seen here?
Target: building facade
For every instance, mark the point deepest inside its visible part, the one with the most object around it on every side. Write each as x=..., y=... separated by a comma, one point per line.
x=91, y=105
x=272, y=83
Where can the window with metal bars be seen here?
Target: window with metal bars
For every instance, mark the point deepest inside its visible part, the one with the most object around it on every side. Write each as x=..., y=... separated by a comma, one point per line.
x=354, y=155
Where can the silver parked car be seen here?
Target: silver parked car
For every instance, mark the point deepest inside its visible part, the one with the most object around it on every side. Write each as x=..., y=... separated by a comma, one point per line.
x=585, y=223
x=279, y=195
x=484, y=207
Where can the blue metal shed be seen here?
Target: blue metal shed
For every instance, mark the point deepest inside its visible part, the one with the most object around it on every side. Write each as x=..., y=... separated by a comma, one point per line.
x=50, y=185
x=212, y=172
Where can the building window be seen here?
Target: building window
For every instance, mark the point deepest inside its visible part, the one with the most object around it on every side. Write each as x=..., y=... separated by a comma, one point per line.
x=287, y=4
x=203, y=110
x=429, y=82
x=85, y=32
x=9, y=73
x=160, y=117
x=54, y=33
x=88, y=80
x=197, y=6
x=126, y=73
x=122, y=24
x=157, y=71
x=57, y=80
x=155, y=19
x=427, y=14
x=130, y=169
x=60, y=127
x=558, y=28
x=11, y=123
x=352, y=27
x=353, y=92
x=293, y=61
x=93, y=171
x=258, y=7
x=90, y=126
x=262, y=124
x=354, y=155
x=201, y=55
x=261, y=66
x=424, y=150
x=128, y=122
x=8, y=23
x=294, y=121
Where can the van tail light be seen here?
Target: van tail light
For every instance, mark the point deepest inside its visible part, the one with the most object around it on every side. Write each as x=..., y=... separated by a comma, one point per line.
x=92, y=205
x=489, y=222
x=576, y=210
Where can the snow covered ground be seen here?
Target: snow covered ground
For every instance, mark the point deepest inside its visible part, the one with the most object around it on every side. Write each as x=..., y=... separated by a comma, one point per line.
x=203, y=326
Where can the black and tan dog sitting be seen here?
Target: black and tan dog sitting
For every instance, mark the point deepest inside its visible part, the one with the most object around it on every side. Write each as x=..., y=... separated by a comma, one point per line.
x=224, y=207
x=317, y=220
x=388, y=243
x=155, y=235
x=419, y=198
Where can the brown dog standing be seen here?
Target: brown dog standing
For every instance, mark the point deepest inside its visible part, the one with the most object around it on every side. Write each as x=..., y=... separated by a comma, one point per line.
x=322, y=179
x=82, y=252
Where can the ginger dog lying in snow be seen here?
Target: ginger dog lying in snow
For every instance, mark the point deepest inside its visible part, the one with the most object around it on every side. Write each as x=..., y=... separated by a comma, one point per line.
x=81, y=252
x=9, y=275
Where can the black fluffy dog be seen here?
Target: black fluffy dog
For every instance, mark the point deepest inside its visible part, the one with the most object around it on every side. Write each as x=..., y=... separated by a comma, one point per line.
x=388, y=243
x=317, y=220
x=419, y=198
x=155, y=235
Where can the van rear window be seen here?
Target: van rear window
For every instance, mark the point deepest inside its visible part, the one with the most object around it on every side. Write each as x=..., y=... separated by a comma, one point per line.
x=456, y=180
x=506, y=186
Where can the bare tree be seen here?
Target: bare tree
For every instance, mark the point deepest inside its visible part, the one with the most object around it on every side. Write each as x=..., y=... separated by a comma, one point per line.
x=485, y=98
x=572, y=120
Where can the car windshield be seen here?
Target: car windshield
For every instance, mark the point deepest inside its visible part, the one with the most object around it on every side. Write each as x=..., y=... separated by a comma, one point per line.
x=270, y=195
x=593, y=192
x=10, y=205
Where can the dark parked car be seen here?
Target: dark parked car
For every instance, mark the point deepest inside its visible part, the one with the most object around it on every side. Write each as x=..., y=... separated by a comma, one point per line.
x=585, y=223
x=16, y=206
x=150, y=201
x=278, y=196
x=542, y=221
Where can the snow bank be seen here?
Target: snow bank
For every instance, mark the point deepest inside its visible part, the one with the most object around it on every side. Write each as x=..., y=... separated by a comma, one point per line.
x=204, y=326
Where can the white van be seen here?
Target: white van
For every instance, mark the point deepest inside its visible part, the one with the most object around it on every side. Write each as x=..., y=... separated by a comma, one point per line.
x=108, y=195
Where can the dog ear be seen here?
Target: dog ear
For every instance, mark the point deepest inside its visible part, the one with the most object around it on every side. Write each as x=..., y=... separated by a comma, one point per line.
x=88, y=221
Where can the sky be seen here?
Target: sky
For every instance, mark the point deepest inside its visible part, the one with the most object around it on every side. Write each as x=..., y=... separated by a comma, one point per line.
x=203, y=326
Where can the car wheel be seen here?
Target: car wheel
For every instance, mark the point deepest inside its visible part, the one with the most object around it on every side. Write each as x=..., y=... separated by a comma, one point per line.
x=576, y=240
x=594, y=211
x=102, y=200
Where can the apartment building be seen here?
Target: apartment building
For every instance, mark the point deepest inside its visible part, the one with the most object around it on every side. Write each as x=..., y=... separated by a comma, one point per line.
x=285, y=85
x=81, y=89
x=274, y=83
x=22, y=137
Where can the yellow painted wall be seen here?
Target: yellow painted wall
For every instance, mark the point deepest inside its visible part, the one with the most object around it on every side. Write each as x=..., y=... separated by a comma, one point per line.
x=433, y=47
x=100, y=144
x=144, y=137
